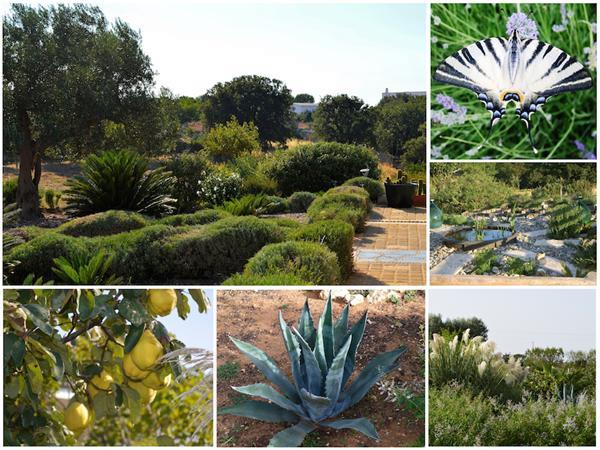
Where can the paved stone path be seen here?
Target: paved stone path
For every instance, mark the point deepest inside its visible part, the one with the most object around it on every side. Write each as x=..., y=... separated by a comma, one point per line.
x=392, y=249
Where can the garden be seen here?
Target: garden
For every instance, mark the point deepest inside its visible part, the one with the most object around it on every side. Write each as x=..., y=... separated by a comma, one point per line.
x=172, y=189
x=513, y=223
x=479, y=396
x=564, y=128
x=372, y=352
x=100, y=368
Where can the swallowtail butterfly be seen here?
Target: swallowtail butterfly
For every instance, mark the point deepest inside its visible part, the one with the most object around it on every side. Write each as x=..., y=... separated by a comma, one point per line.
x=525, y=71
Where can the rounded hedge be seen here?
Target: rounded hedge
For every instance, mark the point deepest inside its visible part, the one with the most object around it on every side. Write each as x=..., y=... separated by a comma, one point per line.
x=355, y=190
x=348, y=207
x=104, y=223
x=373, y=187
x=320, y=166
x=275, y=205
x=300, y=201
x=201, y=217
x=306, y=260
x=338, y=236
x=277, y=279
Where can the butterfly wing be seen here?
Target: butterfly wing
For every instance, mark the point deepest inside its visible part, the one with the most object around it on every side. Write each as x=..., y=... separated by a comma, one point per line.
x=479, y=67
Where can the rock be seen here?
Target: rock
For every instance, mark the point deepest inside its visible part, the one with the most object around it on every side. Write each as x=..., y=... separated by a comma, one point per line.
x=554, y=243
x=336, y=294
x=540, y=256
x=379, y=296
x=356, y=299
x=495, y=270
x=522, y=254
x=555, y=265
x=540, y=272
x=452, y=264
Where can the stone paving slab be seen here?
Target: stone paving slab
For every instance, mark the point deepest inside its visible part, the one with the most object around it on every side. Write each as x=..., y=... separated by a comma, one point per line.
x=525, y=255
x=385, y=214
x=550, y=264
x=391, y=256
x=452, y=264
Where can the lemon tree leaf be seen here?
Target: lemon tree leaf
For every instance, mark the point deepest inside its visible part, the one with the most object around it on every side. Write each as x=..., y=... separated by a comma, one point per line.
x=183, y=305
x=132, y=310
x=135, y=332
x=39, y=317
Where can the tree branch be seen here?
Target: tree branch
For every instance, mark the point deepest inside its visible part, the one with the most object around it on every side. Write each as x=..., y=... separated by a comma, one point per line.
x=97, y=321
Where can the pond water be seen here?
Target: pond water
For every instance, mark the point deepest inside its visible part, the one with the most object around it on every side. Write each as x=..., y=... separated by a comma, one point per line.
x=488, y=234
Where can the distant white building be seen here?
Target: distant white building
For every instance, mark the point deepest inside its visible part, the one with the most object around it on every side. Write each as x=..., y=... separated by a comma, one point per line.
x=300, y=108
x=387, y=93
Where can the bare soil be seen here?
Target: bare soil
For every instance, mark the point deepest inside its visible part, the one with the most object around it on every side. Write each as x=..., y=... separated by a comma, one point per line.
x=252, y=316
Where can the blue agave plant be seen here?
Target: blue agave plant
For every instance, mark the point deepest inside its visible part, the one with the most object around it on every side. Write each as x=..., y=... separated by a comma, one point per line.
x=323, y=360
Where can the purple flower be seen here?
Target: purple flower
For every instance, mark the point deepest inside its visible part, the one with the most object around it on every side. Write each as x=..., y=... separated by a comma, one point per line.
x=523, y=25
x=580, y=145
x=583, y=151
x=448, y=102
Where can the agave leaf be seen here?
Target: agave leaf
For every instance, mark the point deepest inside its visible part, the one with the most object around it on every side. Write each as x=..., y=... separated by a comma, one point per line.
x=376, y=369
x=361, y=425
x=340, y=329
x=316, y=406
x=255, y=409
x=314, y=377
x=306, y=326
x=356, y=332
x=293, y=349
x=292, y=436
x=267, y=366
x=333, y=382
x=268, y=393
x=325, y=342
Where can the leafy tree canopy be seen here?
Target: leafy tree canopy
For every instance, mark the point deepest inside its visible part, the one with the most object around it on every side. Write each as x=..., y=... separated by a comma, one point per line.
x=344, y=119
x=304, y=98
x=399, y=120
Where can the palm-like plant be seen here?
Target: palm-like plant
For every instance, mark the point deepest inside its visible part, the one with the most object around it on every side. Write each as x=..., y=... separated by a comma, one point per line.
x=322, y=360
x=119, y=180
x=84, y=270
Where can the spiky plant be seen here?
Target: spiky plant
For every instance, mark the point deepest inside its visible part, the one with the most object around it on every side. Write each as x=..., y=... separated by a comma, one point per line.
x=119, y=180
x=322, y=361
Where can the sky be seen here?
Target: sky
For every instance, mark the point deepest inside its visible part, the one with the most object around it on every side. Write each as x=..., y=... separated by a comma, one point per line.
x=197, y=329
x=518, y=319
x=357, y=49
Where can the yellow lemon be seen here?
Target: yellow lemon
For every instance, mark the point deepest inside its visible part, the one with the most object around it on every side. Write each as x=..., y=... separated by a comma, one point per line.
x=147, y=351
x=102, y=381
x=131, y=370
x=161, y=301
x=77, y=416
x=156, y=381
x=146, y=394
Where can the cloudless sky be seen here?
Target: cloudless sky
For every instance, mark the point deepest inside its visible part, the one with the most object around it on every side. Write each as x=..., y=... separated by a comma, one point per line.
x=197, y=329
x=358, y=49
x=518, y=319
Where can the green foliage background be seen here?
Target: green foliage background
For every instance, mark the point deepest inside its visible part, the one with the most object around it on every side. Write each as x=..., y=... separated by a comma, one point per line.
x=566, y=117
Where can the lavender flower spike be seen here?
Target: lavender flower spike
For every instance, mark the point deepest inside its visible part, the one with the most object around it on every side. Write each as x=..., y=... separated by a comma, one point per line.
x=525, y=26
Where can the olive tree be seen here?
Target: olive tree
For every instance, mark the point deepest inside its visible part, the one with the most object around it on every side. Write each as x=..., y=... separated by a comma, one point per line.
x=66, y=71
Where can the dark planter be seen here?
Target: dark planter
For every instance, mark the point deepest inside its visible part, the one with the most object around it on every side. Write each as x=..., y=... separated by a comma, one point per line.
x=400, y=195
x=420, y=200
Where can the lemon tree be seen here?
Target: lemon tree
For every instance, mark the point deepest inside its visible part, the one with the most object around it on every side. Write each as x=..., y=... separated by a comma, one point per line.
x=76, y=357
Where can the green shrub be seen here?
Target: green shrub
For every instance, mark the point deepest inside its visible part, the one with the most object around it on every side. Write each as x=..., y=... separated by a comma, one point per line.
x=457, y=326
x=9, y=190
x=248, y=205
x=217, y=250
x=37, y=256
x=189, y=169
x=27, y=233
x=277, y=279
x=568, y=220
x=219, y=186
x=484, y=261
x=585, y=257
x=351, y=208
x=318, y=167
x=84, y=270
x=275, y=205
x=455, y=219
x=119, y=180
x=373, y=187
x=52, y=197
x=516, y=266
x=459, y=418
x=300, y=201
x=226, y=141
x=306, y=260
x=259, y=184
x=104, y=223
x=474, y=364
x=338, y=236
x=354, y=190
x=201, y=217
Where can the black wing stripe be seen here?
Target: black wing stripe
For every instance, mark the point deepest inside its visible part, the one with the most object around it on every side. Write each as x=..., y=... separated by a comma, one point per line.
x=577, y=81
x=536, y=52
x=490, y=47
x=569, y=62
x=548, y=50
x=447, y=74
x=467, y=54
x=526, y=44
x=459, y=59
x=480, y=47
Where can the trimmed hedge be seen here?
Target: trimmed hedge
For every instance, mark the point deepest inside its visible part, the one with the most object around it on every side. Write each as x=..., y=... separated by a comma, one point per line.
x=198, y=218
x=320, y=166
x=348, y=207
x=338, y=236
x=355, y=190
x=300, y=201
x=217, y=250
x=275, y=205
x=306, y=260
x=373, y=187
x=277, y=279
x=104, y=223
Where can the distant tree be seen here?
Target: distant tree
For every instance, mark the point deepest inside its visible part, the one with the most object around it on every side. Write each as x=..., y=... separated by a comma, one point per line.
x=415, y=149
x=66, y=70
x=189, y=109
x=226, y=141
x=398, y=120
x=304, y=98
x=344, y=119
x=263, y=101
x=475, y=325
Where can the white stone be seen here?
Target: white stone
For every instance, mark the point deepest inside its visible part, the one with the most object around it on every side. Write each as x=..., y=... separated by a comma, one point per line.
x=550, y=264
x=554, y=243
x=521, y=254
x=452, y=264
x=574, y=242
x=378, y=296
x=336, y=294
x=535, y=233
x=540, y=256
x=356, y=299
x=495, y=270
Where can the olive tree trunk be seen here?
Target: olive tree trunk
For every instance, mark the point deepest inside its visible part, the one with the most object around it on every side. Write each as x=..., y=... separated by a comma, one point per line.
x=30, y=170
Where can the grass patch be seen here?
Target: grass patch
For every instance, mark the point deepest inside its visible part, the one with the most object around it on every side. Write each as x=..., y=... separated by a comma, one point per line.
x=484, y=261
x=228, y=370
x=516, y=266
